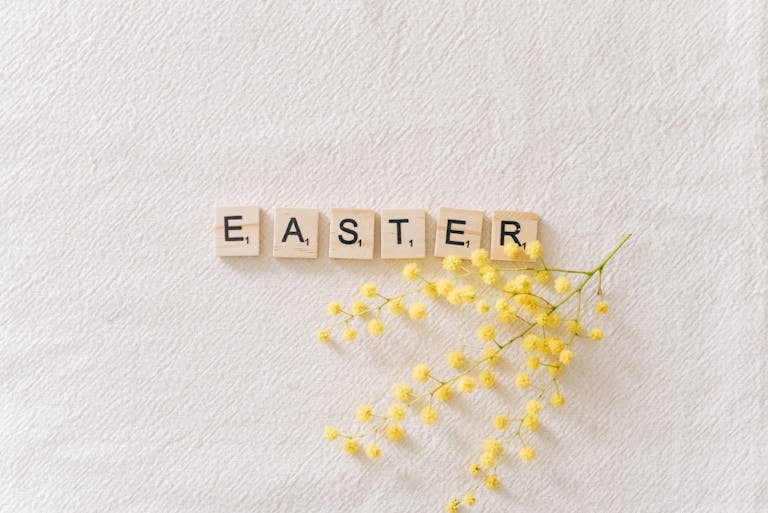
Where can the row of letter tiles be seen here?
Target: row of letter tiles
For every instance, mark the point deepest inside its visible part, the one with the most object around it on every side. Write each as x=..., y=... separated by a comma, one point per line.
x=353, y=232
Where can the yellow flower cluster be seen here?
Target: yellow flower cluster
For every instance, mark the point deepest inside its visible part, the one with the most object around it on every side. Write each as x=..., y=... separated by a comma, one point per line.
x=538, y=317
x=371, y=315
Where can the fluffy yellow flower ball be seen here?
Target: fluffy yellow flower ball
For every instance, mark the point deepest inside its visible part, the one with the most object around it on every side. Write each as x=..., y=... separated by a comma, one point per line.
x=562, y=285
x=530, y=342
x=421, y=372
x=469, y=499
x=396, y=306
x=522, y=380
x=533, y=407
x=455, y=359
x=331, y=433
x=349, y=334
x=465, y=384
x=428, y=414
x=375, y=327
x=454, y=298
x=372, y=451
x=397, y=412
x=557, y=400
x=491, y=482
x=532, y=362
x=479, y=257
x=403, y=392
x=443, y=393
x=493, y=446
x=474, y=469
x=358, y=307
x=368, y=289
x=520, y=285
x=555, y=345
x=531, y=422
x=601, y=307
x=486, y=379
x=527, y=453
x=411, y=272
x=452, y=506
x=486, y=332
x=489, y=275
x=487, y=460
x=574, y=327
x=542, y=277
x=444, y=286
x=364, y=412
x=527, y=303
x=394, y=432
x=548, y=320
x=506, y=316
x=596, y=334
x=430, y=290
x=482, y=307
x=566, y=356
x=467, y=293
x=534, y=249
x=333, y=308
x=512, y=250
x=417, y=311
x=452, y=263
x=350, y=445
x=323, y=335
x=500, y=422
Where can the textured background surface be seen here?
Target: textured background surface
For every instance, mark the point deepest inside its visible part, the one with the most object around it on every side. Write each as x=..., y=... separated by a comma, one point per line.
x=140, y=373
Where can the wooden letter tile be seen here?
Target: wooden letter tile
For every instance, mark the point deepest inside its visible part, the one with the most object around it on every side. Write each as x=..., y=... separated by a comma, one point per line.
x=403, y=233
x=517, y=227
x=295, y=233
x=459, y=232
x=352, y=234
x=237, y=231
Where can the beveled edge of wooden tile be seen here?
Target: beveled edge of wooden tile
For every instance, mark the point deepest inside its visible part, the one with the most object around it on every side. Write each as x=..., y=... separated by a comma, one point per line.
x=454, y=209
x=533, y=216
x=404, y=210
x=354, y=210
x=301, y=209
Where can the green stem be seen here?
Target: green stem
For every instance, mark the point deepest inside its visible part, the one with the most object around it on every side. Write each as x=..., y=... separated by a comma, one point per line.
x=613, y=252
x=577, y=290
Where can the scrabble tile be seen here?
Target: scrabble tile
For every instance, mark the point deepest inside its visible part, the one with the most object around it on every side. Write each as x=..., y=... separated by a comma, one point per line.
x=237, y=231
x=459, y=232
x=352, y=234
x=518, y=227
x=295, y=233
x=403, y=233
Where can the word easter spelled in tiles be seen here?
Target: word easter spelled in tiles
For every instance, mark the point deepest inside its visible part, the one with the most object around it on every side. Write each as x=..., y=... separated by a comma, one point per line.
x=352, y=232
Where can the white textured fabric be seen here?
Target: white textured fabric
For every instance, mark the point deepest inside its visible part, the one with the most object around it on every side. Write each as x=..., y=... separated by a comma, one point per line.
x=139, y=373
